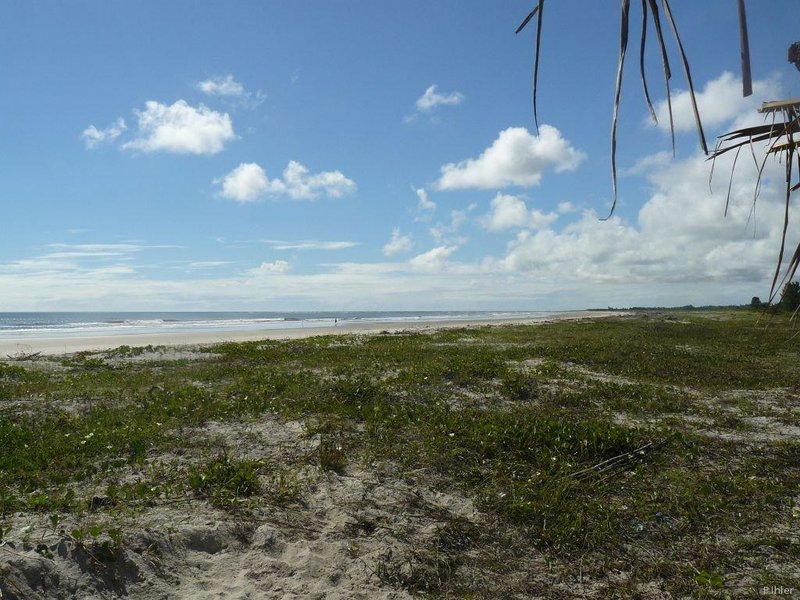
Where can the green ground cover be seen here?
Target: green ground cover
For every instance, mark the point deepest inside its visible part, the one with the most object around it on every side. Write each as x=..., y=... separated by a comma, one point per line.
x=665, y=446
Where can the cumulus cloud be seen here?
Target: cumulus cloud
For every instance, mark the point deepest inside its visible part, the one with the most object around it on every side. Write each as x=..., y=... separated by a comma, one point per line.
x=511, y=212
x=432, y=99
x=398, y=243
x=249, y=182
x=181, y=129
x=299, y=184
x=679, y=235
x=516, y=157
x=433, y=260
x=221, y=86
x=92, y=136
x=720, y=101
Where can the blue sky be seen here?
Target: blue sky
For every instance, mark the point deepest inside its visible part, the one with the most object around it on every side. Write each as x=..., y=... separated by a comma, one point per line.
x=366, y=155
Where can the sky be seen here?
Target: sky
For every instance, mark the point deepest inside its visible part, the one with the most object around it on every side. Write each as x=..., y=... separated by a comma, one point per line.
x=363, y=155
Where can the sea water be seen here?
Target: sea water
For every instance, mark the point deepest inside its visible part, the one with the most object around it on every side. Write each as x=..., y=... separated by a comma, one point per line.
x=32, y=325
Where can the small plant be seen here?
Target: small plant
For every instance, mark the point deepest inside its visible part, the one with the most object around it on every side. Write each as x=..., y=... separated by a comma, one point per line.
x=225, y=480
x=284, y=486
x=521, y=387
x=331, y=454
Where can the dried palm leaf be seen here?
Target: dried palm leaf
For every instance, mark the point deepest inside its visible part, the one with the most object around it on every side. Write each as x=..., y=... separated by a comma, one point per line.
x=780, y=140
x=687, y=71
x=623, y=47
x=744, y=44
x=624, y=34
x=641, y=63
x=665, y=65
x=526, y=19
x=538, y=12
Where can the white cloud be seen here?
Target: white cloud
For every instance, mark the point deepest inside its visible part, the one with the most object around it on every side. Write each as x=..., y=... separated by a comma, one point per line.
x=424, y=204
x=232, y=91
x=271, y=268
x=433, y=260
x=249, y=182
x=246, y=183
x=680, y=235
x=566, y=207
x=516, y=157
x=649, y=163
x=92, y=136
x=221, y=86
x=301, y=185
x=510, y=212
x=719, y=102
x=431, y=99
x=398, y=243
x=309, y=245
x=678, y=249
x=181, y=129
x=445, y=233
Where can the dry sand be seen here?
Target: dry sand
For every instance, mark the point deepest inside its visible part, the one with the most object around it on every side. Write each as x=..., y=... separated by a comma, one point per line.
x=67, y=345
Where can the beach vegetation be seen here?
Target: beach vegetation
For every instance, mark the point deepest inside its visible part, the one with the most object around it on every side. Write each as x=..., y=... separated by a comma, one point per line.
x=587, y=443
x=224, y=480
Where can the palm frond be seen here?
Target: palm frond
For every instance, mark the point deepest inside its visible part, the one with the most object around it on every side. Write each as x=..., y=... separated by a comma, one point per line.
x=665, y=66
x=687, y=71
x=641, y=63
x=527, y=19
x=780, y=139
x=536, y=12
x=623, y=47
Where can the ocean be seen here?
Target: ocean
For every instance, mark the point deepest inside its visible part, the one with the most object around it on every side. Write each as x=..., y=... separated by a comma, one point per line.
x=39, y=325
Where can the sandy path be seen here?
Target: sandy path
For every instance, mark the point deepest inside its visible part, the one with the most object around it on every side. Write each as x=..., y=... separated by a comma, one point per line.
x=66, y=345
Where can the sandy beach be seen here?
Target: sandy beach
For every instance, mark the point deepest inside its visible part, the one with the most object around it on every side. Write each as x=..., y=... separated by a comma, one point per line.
x=68, y=344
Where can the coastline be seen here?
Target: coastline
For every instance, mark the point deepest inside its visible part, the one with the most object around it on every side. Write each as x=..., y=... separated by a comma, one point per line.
x=70, y=344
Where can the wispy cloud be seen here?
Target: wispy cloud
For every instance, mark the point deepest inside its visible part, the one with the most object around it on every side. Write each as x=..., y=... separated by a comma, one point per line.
x=208, y=264
x=445, y=233
x=308, y=245
x=424, y=203
x=226, y=87
x=221, y=86
x=398, y=243
x=92, y=136
x=432, y=99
